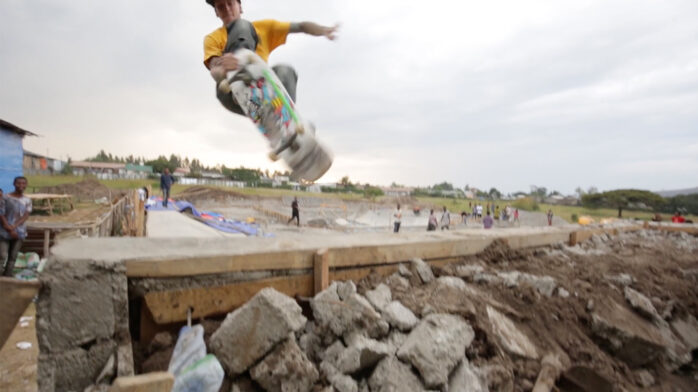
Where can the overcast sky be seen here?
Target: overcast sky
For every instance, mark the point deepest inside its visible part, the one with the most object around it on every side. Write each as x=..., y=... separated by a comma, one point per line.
x=500, y=94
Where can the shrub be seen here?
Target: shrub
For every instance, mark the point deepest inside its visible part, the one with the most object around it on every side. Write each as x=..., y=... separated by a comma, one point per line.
x=575, y=218
x=526, y=204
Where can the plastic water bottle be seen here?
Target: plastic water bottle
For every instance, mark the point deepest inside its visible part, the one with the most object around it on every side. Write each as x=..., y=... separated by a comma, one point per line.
x=205, y=375
x=189, y=349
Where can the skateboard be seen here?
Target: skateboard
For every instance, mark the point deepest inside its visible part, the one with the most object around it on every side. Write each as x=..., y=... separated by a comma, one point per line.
x=262, y=97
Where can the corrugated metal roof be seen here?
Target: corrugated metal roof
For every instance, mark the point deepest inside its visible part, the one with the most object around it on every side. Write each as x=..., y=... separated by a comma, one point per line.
x=97, y=165
x=13, y=128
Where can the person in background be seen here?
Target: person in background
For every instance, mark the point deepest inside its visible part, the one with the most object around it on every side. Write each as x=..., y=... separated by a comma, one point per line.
x=550, y=217
x=488, y=222
x=295, y=212
x=677, y=218
x=166, y=181
x=516, y=215
x=14, y=212
x=397, y=219
x=445, y=219
x=431, y=226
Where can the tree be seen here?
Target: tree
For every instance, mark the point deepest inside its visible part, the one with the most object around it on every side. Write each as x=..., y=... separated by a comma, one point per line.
x=624, y=199
x=495, y=194
x=345, y=181
x=444, y=186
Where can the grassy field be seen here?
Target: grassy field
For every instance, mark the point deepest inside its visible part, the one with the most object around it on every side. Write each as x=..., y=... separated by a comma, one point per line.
x=454, y=205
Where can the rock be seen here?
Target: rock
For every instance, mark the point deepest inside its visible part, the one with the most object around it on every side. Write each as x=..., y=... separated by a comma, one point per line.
x=423, y=270
x=641, y=303
x=250, y=331
x=395, y=340
x=512, y=340
x=379, y=297
x=161, y=341
x=391, y=375
x=628, y=336
x=621, y=279
x=499, y=378
x=361, y=353
x=341, y=317
x=584, y=379
x=309, y=342
x=285, y=369
x=243, y=384
x=345, y=289
x=397, y=282
x=467, y=271
x=436, y=346
x=398, y=316
x=562, y=293
x=467, y=378
x=343, y=383
x=687, y=329
x=644, y=378
x=450, y=295
x=484, y=277
x=404, y=271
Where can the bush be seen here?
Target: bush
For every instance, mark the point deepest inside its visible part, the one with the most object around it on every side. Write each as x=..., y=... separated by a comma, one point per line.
x=575, y=218
x=526, y=204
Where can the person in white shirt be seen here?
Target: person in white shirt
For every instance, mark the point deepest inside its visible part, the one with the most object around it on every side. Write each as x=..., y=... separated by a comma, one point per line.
x=397, y=219
x=445, y=219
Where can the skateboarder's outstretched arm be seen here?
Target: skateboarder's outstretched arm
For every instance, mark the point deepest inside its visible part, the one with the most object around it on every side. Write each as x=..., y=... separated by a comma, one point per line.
x=310, y=28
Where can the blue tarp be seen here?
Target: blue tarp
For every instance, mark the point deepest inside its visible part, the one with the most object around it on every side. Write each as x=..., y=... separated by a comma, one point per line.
x=213, y=219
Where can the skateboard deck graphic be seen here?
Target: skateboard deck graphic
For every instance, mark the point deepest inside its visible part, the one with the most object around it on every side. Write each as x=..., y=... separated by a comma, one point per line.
x=262, y=97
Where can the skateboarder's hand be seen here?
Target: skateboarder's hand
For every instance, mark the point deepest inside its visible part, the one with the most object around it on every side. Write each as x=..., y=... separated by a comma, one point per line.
x=331, y=32
x=228, y=61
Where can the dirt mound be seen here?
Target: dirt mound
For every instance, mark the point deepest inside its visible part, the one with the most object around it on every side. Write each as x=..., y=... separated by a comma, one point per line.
x=199, y=194
x=89, y=189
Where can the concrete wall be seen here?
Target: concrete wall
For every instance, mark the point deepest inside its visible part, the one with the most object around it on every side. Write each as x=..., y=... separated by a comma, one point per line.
x=11, y=153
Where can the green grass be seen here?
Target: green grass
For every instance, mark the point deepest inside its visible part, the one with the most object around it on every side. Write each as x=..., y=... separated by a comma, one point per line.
x=454, y=205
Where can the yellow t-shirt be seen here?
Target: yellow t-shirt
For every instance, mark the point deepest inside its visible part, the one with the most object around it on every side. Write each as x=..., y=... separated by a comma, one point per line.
x=271, y=33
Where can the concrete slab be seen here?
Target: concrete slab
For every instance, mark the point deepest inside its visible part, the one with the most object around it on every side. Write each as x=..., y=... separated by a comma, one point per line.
x=172, y=224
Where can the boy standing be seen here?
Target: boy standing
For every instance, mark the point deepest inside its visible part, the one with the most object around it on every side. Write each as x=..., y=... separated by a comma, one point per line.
x=14, y=212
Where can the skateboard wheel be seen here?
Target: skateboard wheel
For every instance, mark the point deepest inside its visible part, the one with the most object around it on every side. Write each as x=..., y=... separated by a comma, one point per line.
x=273, y=156
x=224, y=86
x=300, y=130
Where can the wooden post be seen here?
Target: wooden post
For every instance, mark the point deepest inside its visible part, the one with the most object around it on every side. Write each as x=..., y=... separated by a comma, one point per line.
x=322, y=270
x=47, y=242
x=573, y=238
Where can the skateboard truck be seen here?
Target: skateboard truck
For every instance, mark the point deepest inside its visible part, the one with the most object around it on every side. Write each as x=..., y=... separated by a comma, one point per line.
x=274, y=154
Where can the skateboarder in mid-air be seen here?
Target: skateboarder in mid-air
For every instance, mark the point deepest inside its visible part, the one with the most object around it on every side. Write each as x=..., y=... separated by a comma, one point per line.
x=261, y=36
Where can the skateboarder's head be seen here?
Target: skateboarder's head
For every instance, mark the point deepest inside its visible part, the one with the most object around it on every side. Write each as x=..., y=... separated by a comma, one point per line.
x=227, y=10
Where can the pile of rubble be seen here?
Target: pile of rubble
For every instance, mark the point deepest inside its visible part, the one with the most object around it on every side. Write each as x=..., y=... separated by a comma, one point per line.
x=612, y=314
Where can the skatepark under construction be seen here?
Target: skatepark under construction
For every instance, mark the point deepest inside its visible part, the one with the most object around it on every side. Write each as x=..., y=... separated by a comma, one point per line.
x=342, y=304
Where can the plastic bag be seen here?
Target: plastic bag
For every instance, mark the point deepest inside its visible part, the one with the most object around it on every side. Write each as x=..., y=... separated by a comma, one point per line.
x=206, y=375
x=189, y=349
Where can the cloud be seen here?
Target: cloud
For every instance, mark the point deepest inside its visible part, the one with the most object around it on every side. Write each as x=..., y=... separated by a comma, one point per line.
x=500, y=93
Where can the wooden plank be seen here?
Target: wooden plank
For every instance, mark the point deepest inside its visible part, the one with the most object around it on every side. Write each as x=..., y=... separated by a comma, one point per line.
x=171, y=306
x=150, y=382
x=321, y=276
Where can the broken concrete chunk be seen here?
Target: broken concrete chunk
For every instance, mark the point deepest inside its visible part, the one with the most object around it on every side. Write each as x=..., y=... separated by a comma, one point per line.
x=343, y=383
x=644, y=378
x=360, y=354
x=641, y=303
x=584, y=379
x=423, y=270
x=286, y=368
x=621, y=279
x=467, y=377
x=397, y=282
x=379, y=297
x=391, y=375
x=345, y=289
x=513, y=341
x=250, y=331
x=404, y=271
x=436, y=346
x=342, y=317
x=467, y=271
x=398, y=316
x=544, y=284
x=687, y=330
x=628, y=336
x=395, y=340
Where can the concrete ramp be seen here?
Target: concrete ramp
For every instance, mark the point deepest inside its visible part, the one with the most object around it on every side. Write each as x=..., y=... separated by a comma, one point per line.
x=173, y=224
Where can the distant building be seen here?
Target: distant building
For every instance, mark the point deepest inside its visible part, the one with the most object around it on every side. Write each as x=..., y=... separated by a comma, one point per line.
x=397, y=192
x=39, y=164
x=101, y=170
x=181, y=172
x=134, y=171
x=11, y=153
